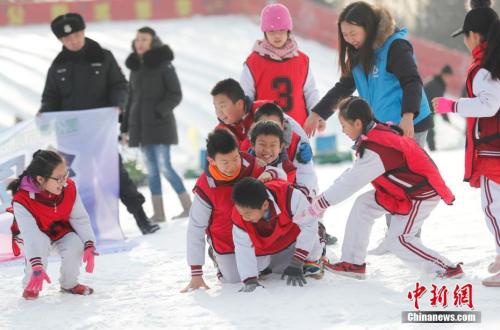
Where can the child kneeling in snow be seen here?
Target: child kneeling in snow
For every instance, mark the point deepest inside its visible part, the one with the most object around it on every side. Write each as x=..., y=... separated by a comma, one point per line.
x=267, y=234
x=48, y=212
x=407, y=185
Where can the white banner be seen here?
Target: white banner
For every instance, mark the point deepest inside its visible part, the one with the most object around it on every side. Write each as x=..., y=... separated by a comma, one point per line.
x=87, y=139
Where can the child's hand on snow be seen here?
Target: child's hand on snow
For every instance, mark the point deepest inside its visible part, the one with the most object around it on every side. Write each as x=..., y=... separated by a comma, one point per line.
x=196, y=282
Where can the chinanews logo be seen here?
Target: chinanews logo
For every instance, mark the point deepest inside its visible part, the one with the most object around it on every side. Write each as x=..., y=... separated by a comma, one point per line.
x=458, y=296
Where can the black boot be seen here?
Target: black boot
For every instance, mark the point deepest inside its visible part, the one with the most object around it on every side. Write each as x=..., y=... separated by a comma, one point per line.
x=143, y=223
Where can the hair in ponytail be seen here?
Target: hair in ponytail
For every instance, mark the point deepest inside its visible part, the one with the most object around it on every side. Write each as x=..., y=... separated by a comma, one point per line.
x=355, y=107
x=43, y=164
x=491, y=60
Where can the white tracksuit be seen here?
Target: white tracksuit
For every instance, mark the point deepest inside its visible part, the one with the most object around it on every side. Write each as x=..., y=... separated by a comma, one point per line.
x=249, y=265
x=401, y=239
x=70, y=247
x=199, y=219
x=485, y=104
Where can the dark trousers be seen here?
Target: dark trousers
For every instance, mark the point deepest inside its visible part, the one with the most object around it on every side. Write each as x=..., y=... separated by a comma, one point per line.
x=129, y=195
x=431, y=137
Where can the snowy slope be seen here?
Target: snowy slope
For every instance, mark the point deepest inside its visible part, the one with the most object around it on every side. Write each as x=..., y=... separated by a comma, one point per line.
x=140, y=288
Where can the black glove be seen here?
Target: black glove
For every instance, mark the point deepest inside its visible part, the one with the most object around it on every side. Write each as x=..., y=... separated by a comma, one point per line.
x=294, y=273
x=249, y=285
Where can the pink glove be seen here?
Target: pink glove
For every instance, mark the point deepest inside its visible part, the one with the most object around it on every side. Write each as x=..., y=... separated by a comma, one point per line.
x=317, y=207
x=444, y=105
x=37, y=277
x=88, y=256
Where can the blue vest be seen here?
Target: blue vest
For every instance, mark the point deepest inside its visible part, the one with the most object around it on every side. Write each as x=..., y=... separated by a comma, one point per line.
x=381, y=89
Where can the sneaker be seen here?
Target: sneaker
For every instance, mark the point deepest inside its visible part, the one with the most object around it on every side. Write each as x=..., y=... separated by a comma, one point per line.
x=314, y=269
x=264, y=273
x=381, y=248
x=492, y=281
x=30, y=295
x=79, y=289
x=453, y=272
x=347, y=269
x=494, y=267
x=330, y=240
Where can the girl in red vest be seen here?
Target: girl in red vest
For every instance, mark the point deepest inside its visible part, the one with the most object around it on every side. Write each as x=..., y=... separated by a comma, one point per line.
x=268, y=233
x=407, y=185
x=481, y=31
x=276, y=70
x=49, y=213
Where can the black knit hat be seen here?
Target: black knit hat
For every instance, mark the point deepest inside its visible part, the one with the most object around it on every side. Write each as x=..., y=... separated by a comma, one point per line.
x=477, y=20
x=64, y=25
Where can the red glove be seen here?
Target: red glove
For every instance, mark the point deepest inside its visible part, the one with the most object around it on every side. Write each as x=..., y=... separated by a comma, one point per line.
x=37, y=277
x=88, y=256
x=444, y=105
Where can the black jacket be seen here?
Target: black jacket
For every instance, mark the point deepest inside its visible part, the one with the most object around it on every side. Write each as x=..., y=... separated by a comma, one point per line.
x=87, y=79
x=154, y=92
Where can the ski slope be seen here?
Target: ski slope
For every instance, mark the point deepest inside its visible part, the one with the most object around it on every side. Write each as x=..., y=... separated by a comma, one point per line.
x=139, y=289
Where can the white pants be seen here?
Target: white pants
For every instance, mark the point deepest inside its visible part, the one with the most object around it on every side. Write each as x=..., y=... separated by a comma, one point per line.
x=401, y=236
x=70, y=248
x=226, y=263
x=490, y=202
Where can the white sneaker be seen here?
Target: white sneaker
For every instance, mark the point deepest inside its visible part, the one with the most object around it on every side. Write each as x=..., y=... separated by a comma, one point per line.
x=381, y=248
x=494, y=267
x=493, y=281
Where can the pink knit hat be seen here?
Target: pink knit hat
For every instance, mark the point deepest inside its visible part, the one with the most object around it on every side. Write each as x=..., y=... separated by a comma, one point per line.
x=275, y=17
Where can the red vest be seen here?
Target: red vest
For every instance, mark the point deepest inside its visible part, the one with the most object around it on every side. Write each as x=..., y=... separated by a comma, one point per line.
x=277, y=234
x=481, y=152
x=409, y=172
x=281, y=81
x=294, y=145
x=51, y=212
x=218, y=195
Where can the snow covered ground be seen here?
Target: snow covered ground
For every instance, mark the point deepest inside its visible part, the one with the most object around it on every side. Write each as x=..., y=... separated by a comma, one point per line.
x=140, y=288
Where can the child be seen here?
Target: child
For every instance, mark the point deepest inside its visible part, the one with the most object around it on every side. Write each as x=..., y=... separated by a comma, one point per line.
x=268, y=234
x=299, y=152
x=407, y=184
x=48, y=212
x=481, y=31
x=212, y=205
x=235, y=111
x=276, y=70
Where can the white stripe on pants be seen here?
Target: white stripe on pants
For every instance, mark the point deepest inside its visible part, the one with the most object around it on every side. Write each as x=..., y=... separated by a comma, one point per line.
x=400, y=239
x=490, y=202
x=70, y=248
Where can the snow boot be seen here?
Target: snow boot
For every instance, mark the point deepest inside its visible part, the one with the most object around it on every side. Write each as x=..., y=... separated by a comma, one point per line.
x=143, y=222
x=30, y=295
x=453, y=272
x=158, y=211
x=185, y=200
x=494, y=267
x=314, y=269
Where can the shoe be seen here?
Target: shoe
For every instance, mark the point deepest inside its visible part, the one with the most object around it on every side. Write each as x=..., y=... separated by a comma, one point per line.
x=381, y=248
x=185, y=200
x=453, y=272
x=143, y=223
x=492, y=281
x=494, y=267
x=158, y=211
x=264, y=273
x=79, y=289
x=330, y=240
x=30, y=295
x=347, y=269
x=314, y=269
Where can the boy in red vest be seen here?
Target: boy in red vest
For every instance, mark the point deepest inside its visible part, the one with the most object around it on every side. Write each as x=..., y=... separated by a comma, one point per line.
x=407, y=185
x=277, y=70
x=49, y=213
x=268, y=234
x=210, y=214
x=235, y=111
